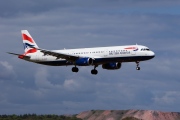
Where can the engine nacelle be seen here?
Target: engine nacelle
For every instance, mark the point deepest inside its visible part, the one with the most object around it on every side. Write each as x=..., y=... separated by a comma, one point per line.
x=112, y=66
x=84, y=61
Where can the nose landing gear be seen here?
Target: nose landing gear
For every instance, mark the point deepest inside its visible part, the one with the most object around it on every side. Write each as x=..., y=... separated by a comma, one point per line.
x=137, y=66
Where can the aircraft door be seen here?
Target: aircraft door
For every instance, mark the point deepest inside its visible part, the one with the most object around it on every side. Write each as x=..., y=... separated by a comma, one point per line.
x=133, y=52
x=106, y=53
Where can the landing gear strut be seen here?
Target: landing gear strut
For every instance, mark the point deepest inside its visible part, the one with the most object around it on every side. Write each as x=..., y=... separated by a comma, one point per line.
x=94, y=71
x=75, y=69
x=137, y=66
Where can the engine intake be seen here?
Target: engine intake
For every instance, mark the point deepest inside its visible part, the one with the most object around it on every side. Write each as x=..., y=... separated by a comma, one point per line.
x=84, y=61
x=112, y=66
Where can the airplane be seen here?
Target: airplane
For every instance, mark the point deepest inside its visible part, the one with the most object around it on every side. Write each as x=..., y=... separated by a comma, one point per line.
x=109, y=58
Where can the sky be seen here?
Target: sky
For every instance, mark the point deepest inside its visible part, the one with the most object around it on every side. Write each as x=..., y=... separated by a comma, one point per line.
x=27, y=87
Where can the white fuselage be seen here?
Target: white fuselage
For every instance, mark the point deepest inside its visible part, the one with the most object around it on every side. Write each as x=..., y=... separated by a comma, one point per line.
x=129, y=53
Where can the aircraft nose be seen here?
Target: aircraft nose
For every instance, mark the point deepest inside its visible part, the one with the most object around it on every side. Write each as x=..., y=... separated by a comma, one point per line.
x=152, y=54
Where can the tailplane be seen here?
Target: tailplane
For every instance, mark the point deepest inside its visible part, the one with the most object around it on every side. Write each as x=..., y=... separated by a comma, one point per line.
x=28, y=42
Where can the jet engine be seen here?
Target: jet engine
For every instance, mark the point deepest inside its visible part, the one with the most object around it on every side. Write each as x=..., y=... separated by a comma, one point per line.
x=112, y=66
x=84, y=61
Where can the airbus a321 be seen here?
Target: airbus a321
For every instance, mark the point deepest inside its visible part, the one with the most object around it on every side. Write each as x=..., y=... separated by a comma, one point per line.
x=109, y=58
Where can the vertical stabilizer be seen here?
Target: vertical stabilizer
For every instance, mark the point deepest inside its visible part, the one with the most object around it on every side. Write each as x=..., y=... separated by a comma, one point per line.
x=28, y=42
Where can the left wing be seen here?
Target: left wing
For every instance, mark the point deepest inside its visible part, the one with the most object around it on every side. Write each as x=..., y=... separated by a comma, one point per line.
x=58, y=55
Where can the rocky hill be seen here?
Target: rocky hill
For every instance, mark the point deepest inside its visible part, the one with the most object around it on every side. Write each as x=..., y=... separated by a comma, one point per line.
x=128, y=115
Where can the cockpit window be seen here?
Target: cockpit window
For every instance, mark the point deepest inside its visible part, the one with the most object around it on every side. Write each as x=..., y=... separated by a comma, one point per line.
x=145, y=49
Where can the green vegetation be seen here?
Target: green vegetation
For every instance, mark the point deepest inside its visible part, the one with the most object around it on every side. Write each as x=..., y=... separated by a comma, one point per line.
x=37, y=117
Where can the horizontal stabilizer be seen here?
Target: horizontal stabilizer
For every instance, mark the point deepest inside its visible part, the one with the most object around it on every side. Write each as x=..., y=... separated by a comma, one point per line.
x=13, y=53
x=20, y=55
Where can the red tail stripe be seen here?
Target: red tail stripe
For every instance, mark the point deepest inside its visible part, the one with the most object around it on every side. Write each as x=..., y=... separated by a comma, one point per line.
x=25, y=37
x=31, y=51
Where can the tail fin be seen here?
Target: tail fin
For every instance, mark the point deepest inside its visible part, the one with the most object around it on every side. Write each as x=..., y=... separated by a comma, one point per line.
x=28, y=42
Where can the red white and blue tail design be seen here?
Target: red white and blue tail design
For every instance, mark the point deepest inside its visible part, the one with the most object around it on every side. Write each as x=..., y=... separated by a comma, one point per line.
x=28, y=42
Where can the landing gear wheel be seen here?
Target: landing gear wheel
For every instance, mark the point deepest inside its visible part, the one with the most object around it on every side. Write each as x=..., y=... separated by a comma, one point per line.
x=137, y=64
x=138, y=68
x=75, y=69
x=94, y=72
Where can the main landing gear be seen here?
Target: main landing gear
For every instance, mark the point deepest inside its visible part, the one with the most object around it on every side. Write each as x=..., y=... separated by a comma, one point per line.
x=75, y=69
x=94, y=71
x=137, y=66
